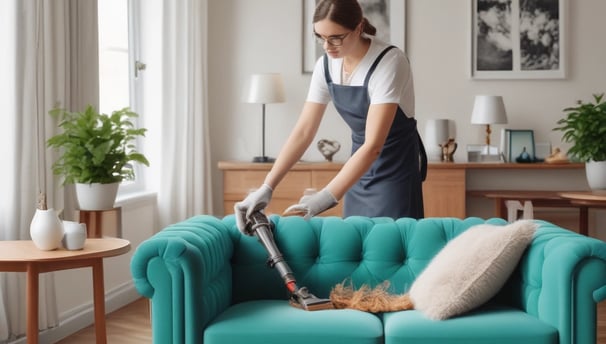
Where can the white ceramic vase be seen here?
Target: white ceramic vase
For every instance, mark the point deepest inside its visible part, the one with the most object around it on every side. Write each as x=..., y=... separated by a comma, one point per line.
x=46, y=229
x=96, y=196
x=436, y=133
x=596, y=174
x=74, y=235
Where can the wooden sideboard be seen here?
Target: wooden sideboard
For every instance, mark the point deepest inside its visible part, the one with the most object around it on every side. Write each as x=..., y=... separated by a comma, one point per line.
x=444, y=191
x=239, y=178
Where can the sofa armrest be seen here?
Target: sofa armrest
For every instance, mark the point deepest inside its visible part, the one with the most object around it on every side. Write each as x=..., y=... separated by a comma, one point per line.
x=185, y=270
x=560, y=279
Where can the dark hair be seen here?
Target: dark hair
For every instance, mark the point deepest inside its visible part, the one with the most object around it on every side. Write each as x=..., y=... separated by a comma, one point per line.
x=346, y=13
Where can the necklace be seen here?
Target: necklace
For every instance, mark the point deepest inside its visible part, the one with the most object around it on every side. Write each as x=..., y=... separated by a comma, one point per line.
x=345, y=75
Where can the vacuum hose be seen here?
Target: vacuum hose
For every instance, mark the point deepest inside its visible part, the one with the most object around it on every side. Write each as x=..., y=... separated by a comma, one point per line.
x=299, y=296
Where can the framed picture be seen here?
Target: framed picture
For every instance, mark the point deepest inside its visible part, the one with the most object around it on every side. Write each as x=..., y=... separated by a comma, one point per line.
x=518, y=39
x=521, y=146
x=388, y=16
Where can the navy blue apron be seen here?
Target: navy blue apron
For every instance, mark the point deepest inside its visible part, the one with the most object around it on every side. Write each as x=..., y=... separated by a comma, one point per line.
x=392, y=187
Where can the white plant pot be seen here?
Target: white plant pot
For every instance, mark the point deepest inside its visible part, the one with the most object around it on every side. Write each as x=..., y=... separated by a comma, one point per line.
x=596, y=174
x=96, y=196
x=46, y=230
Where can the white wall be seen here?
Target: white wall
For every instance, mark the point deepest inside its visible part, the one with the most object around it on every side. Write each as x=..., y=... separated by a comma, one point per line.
x=265, y=36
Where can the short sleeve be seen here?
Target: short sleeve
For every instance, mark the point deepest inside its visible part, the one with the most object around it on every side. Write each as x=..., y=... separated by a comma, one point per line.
x=390, y=78
x=318, y=89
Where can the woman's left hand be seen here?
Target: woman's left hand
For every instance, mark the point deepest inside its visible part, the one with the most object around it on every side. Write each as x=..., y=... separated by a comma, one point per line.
x=312, y=205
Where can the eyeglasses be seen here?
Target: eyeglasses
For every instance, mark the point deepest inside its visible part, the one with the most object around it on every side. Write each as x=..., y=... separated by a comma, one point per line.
x=335, y=41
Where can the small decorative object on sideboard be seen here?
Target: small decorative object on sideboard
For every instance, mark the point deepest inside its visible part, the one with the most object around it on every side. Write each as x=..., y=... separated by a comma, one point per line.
x=557, y=157
x=448, y=149
x=524, y=157
x=584, y=126
x=97, y=152
x=328, y=148
x=46, y=229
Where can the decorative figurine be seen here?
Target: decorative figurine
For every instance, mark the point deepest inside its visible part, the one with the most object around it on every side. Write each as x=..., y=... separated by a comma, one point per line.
x=328, y=148
x=524, y=156
x=448, y=149
x=557, y=157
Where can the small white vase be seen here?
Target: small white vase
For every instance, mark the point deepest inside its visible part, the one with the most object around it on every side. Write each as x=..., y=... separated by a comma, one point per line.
x=436, y=133
x=74, y=236
x=596, y=174
x=96, y=196
x=46, y=230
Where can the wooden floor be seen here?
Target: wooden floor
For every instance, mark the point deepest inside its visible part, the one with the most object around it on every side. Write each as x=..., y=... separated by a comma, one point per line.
x=131, y=325
x=127, y=325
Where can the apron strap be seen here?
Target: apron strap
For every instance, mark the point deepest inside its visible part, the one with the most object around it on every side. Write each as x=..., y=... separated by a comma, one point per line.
x=374, y=65
x=423, y=156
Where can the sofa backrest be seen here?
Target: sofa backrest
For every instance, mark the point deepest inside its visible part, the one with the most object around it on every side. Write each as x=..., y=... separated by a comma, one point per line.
x=326, y=251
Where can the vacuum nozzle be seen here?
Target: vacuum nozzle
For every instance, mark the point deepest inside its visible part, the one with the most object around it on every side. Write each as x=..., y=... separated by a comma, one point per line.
x=302, y=298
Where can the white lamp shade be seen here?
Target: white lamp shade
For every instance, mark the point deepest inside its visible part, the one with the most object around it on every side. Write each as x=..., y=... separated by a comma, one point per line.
x=264, y=89
x=488, y=110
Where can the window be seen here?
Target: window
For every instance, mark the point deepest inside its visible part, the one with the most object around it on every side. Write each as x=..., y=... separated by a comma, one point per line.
x=119, y=68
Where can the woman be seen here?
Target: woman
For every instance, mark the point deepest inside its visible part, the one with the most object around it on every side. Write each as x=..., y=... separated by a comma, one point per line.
x=371, y=86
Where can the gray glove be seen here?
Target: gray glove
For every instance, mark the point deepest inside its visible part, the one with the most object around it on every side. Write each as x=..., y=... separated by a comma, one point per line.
x=255, y=201
x=312, y=205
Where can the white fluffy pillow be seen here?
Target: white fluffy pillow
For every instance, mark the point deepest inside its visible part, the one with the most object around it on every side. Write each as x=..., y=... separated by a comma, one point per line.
x=470, y=269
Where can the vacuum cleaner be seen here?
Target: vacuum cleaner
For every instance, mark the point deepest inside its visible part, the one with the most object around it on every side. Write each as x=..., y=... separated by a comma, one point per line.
x=300, y=297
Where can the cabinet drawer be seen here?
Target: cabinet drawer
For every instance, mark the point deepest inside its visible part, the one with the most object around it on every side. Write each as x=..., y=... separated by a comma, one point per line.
x=444, y=193
x=237, y=184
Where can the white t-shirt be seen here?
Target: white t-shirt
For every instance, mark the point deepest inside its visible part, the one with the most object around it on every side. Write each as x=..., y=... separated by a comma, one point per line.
x=391, y=82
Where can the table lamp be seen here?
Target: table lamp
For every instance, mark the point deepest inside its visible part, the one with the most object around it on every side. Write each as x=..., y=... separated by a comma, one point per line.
x=488, y=110
x=264, y=89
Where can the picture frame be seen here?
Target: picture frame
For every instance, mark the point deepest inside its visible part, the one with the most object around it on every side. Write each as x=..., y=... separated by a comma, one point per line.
x=390, y=24
x=521, y=141
x=534, y=47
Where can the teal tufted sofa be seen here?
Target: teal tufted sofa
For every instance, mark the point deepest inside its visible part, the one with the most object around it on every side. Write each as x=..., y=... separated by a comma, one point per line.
x=209, y=284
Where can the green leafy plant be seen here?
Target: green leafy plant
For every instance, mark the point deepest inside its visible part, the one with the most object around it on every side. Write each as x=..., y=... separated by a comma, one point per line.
x=585, y=127
x=95, y=147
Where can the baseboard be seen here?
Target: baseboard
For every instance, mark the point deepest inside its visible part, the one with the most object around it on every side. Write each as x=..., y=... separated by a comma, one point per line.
x=82, y=316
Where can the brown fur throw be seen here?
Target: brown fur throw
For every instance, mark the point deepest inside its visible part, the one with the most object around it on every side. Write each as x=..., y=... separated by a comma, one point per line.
x=374, y=300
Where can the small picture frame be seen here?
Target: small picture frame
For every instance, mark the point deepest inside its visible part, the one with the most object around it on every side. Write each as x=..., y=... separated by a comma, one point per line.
x=542, y=150
x=521, y=146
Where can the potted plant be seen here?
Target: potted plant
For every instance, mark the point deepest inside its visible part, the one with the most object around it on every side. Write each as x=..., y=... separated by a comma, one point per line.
x=96, y=153
x=585, y=127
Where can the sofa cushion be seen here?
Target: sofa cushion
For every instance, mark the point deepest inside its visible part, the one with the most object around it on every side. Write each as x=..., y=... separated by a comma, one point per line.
x=275, y=321
x=470, y=269
x=490, y=324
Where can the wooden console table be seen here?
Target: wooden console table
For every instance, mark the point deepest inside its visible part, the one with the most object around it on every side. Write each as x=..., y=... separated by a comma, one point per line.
x=23, y=256
x=539, y=198
x=444, y=191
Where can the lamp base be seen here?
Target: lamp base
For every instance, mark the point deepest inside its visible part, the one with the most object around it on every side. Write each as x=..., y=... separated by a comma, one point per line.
x=263, y=159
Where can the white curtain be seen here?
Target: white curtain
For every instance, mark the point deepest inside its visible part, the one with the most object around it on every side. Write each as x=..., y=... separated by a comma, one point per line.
x=185, y=186
x=50, y=57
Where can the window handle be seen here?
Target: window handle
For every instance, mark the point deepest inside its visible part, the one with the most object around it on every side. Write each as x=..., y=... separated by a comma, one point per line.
x=139, y=66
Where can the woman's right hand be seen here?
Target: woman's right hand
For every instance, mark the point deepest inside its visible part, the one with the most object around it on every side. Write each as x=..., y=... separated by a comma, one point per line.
x=255, y=201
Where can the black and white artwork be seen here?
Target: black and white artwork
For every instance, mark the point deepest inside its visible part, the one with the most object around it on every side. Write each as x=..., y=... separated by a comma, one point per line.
x=388, y=16
x=516, y=39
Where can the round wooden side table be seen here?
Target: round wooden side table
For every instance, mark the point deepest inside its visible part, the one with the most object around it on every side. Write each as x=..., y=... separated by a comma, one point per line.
x=585, y=200
x=23, y=256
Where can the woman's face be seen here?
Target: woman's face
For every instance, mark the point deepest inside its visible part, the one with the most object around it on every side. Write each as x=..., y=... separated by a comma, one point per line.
x=336, y=40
